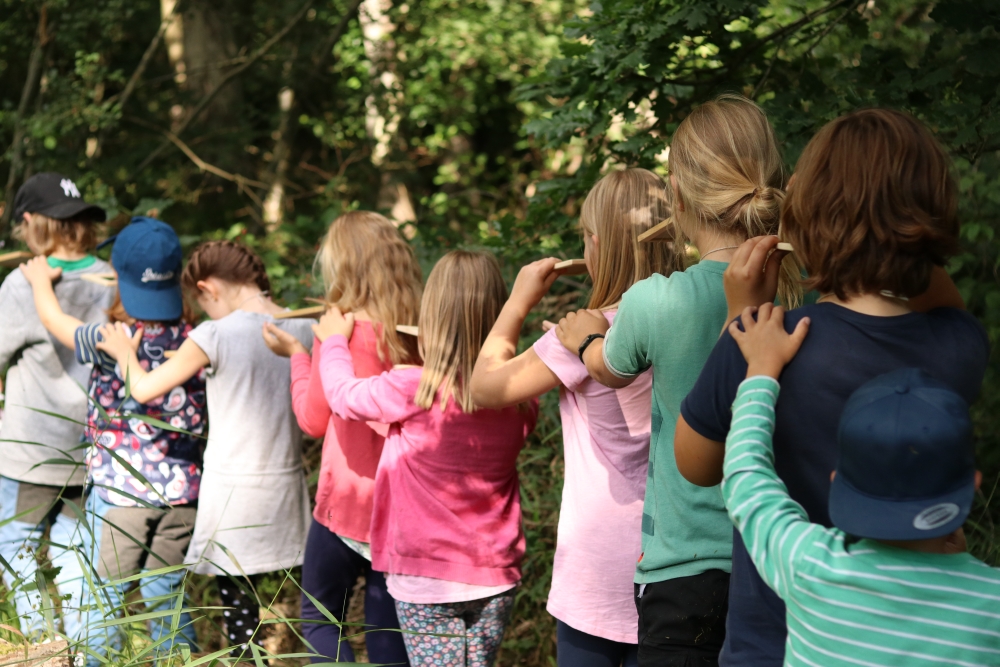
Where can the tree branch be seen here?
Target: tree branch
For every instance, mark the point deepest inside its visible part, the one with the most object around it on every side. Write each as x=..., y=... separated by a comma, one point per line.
x=207, y=99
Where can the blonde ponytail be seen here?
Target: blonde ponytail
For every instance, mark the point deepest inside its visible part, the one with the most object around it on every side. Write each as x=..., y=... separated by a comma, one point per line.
x=729, y=174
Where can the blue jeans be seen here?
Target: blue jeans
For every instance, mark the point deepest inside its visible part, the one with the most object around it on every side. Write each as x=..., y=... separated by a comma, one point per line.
x=116, y=556
x=19, y=540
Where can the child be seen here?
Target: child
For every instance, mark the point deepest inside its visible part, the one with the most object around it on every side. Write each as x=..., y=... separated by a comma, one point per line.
x=446, y=525
x=726, y=173
x=253, y=510
x=891, y=584
x=872, y=216
x=605, y=431
x=369, y=269
x=144, y=479
x=45, y=376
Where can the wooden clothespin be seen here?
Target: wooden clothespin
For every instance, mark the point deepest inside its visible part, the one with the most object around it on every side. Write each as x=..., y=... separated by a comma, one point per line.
x=571, y=267
x=311, y=311
x=106, y=279
x=407, y=329
x=14, y=258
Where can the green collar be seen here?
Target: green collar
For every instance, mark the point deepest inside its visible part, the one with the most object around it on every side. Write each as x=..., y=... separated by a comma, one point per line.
x=72, y=265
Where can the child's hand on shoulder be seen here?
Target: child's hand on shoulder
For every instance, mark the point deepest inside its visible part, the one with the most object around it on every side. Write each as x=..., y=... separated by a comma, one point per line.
x=333, y=323
x=281, y=342
x=116, y=341
x=38, y=272
x=765, y=344
x=751, y=279
x=575, y=327
x=533, y=281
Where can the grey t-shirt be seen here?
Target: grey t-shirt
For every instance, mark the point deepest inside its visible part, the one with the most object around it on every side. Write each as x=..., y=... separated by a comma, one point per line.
x=44, y=374
x=251, y=427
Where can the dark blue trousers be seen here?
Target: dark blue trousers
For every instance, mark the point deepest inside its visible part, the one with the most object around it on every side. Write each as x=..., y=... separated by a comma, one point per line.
x=578, y=649
x=329, y=573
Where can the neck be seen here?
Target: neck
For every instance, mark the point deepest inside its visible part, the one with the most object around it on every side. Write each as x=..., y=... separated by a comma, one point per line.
x=707, y=239
x=67, y=254
x=878, y=305
x=935, y=545
x=251, y=299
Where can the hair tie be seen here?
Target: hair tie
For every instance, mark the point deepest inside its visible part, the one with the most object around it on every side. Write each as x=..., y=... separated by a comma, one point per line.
x=755, y=191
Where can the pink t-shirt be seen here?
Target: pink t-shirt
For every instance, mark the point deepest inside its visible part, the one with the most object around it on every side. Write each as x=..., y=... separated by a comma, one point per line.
x=447, y=501
x=606, y=448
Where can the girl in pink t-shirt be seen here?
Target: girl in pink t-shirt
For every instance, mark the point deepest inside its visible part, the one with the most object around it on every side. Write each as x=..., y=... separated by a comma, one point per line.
x=446, y=525
x=605, y=431
x=369, y=269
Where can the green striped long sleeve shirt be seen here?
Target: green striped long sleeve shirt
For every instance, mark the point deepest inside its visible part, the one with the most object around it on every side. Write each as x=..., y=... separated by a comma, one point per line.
x=851, y=601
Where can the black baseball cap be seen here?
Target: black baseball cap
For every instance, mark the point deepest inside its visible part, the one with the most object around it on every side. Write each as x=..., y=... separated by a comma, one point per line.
x=907, y=462
x=55, y=196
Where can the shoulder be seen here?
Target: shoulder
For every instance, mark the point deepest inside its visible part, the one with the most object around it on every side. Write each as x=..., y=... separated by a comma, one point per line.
x=15, y=284
x=299, y=327
x=961, y=321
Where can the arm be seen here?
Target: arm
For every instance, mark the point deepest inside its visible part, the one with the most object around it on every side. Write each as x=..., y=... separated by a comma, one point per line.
x=500, y=378
x=40, y=276
x=308, y=400
x=941, y=293
x=699, y=459
x=145, y=386
x=574, y=329
x=771, y=523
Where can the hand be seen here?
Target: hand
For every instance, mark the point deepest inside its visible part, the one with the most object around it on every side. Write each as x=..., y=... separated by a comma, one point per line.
x=116, y=341
x=548, y=326
x=955, y=543
x=533, y=281
x=334, y=322
x=573, y=328
x=281, y=342
x=765, y=344
x=38, y=272
x=751, y=279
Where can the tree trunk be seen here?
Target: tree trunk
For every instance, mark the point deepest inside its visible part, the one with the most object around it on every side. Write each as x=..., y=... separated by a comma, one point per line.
x=274, y=204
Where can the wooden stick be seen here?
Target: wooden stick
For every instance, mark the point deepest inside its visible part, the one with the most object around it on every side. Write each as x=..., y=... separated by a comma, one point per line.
x=106, y=279
x=787, y=247
x=407, y=329
x=14, y=258
x=661, y=232
x=312, y=311
x=571, y=267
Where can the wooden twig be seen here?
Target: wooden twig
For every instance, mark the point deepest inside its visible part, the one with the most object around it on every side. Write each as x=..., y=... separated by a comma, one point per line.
x=207, y=99
x=311, y=311
x=571, y=267
x=106, y=279
x=14, y=258
x=407, y=329
x=664, y=231
x=787, y=247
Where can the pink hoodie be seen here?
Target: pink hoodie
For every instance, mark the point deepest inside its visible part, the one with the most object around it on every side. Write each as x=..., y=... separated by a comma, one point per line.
x=447, y=499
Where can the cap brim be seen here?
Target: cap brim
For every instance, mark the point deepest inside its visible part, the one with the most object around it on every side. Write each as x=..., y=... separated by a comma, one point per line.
x=75, y=209
x=164, y=305
x=861, y=515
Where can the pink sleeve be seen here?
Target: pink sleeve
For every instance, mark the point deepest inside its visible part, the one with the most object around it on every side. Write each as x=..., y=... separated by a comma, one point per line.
x=384, y=398
x=564, y=364
x=308, y=401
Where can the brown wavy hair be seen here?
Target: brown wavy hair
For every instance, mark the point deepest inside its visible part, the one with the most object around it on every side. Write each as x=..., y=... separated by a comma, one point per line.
x=225, y=260
x=367, y=264
x=43, y=234
x=873, y=207
x=619, y=208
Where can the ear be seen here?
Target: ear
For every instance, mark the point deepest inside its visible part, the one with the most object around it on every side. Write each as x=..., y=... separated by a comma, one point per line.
x=209, y=289
x=677, y=194
x=979, y=479
x=791, y=179
x=595, y=241
x=833, y=473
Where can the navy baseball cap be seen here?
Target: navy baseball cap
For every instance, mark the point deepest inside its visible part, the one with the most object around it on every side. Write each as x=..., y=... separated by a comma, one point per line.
x=55, y=196
x=147, y=257
x=907, y=466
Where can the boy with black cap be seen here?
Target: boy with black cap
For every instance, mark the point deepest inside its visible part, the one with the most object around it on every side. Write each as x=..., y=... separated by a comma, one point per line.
x=43, y=375
x=891, y=584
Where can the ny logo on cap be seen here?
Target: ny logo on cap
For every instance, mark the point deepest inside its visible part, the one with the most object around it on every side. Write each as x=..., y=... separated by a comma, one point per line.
x=69, y=188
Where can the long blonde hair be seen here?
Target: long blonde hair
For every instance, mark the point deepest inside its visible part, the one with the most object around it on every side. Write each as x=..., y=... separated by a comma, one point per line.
x=729, y=173
x=619, y=208
x=462, y=300
x=367, y=264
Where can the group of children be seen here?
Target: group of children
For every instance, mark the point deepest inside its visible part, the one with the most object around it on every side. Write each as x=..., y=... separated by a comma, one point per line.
x=672, y=428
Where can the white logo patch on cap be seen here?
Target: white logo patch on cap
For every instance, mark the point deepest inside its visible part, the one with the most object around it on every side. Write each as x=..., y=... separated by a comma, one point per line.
x=69, y=188
x=936, y=516
x=151, y=276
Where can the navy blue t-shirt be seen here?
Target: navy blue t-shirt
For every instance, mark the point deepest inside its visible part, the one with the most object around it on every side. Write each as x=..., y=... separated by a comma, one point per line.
x=843, y=350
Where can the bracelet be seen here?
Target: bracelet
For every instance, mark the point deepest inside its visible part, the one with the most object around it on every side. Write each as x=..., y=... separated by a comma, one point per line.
x=586, y=343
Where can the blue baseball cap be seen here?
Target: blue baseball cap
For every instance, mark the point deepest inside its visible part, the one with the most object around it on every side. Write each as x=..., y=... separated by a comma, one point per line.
x=907, y=465
x=147, y=256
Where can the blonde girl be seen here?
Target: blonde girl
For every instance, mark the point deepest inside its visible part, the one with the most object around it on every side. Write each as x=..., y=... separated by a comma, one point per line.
x=605, y=431
x=368, y=269
x=253, y=511
x=726, y=176
x=446, y=524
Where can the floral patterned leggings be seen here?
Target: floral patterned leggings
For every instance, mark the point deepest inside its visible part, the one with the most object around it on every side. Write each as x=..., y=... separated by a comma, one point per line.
x=479, y=623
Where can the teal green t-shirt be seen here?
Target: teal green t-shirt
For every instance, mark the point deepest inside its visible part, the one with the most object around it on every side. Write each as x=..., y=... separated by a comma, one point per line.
x=84, y=262
x=671, y=325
